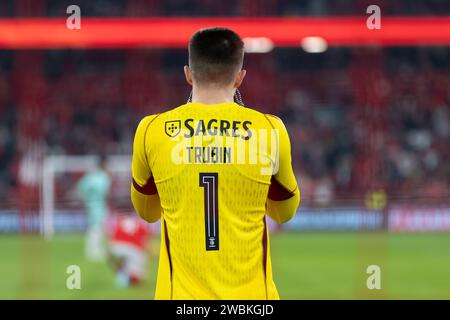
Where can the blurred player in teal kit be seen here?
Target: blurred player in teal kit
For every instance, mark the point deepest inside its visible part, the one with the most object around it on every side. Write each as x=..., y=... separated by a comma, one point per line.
x=93, y=189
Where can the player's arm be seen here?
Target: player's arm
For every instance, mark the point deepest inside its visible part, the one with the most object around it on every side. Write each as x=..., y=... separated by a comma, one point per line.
x=284, y=194
x=144, y=194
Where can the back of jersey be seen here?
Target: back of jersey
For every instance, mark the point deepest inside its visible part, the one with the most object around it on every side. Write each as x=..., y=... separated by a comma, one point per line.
x=212, y=166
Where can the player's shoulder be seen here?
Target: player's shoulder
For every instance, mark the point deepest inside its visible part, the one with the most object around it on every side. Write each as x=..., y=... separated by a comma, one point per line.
x=154, y=119
x=266, y=118
x=273, y=118
x=274, y=121
x=153, y=122
x=158, y=117
x=146, y=121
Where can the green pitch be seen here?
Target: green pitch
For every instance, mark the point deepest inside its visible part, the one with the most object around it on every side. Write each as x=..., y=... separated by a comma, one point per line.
x=306, y=266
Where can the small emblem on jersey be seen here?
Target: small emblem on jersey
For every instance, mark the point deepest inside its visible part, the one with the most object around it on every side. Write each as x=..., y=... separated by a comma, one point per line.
x=173, y=128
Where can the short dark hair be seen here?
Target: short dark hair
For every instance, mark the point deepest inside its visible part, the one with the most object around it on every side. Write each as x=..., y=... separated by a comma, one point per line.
x=215, y=55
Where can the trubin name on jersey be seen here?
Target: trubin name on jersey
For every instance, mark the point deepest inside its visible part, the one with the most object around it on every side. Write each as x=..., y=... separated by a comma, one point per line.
x=211, y=154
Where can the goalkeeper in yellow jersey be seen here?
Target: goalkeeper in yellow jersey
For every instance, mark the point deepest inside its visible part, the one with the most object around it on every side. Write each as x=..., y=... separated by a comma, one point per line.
x=211, y=169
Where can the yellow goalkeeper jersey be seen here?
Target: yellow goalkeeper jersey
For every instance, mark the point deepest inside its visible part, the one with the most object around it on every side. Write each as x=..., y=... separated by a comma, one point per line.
x=213, y=167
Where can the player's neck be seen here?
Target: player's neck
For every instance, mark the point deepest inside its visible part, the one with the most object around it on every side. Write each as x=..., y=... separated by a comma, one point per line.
x=212, y=95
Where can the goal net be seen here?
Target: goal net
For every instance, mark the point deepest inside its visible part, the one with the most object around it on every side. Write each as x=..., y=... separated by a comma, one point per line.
x=61, y=208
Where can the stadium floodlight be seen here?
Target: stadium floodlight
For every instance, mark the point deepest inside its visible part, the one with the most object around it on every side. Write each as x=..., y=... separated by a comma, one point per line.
x=314, y=44
x=258, y=44
x=53, y=165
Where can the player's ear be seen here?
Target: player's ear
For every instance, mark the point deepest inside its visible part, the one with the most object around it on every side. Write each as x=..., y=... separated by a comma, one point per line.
x=188, y=74
x=239, y=78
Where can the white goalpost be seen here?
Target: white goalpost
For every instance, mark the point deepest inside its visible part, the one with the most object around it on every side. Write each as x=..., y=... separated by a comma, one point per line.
x=52, y=165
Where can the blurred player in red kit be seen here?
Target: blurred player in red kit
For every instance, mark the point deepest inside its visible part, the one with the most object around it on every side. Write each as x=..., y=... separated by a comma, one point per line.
x=128, y=248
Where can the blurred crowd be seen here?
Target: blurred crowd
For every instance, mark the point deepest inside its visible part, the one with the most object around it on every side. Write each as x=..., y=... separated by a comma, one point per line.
x=360, y=120
x=136, y=8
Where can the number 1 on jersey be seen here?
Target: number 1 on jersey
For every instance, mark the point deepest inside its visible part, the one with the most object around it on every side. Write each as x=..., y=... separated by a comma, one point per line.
x=210, y=182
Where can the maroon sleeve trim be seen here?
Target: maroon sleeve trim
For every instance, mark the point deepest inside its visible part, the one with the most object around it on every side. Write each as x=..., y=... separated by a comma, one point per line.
x=278, y=192
x=148, y=189
x=166, y=236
